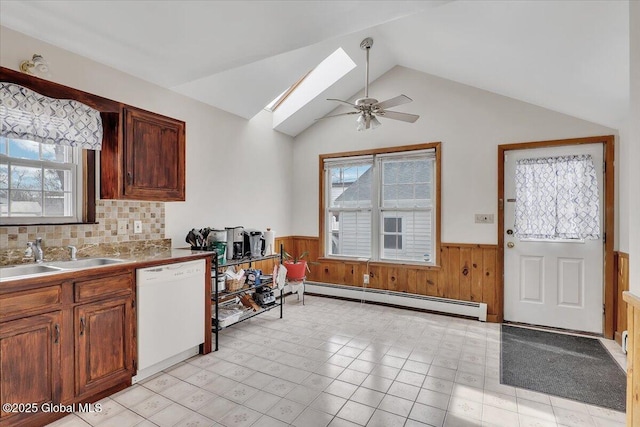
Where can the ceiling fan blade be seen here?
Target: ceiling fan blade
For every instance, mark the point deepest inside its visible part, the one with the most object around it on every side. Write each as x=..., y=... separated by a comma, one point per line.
x=398, y=100
x=344, y=102
x=394, y=115
x=337, y=115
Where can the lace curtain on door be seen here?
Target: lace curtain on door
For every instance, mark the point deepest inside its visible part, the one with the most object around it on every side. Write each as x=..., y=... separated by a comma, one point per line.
x=557, y=198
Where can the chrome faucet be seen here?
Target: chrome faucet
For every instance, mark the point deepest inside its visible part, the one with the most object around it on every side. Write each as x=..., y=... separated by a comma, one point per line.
x=74, y=252
x=38, y=254
x=34, y=249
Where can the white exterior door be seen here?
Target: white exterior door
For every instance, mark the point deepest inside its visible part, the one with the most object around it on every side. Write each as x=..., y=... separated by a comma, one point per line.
x=557, y=283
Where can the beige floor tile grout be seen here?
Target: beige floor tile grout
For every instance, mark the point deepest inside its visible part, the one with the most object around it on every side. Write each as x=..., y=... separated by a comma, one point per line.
x=421, y=358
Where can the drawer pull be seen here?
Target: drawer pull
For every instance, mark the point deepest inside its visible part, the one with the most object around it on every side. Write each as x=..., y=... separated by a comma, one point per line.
x=56, y=336
x=82, y=325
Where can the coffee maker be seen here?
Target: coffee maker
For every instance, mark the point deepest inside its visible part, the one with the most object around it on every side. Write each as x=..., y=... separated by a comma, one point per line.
x=235, y=242
x=253, y=243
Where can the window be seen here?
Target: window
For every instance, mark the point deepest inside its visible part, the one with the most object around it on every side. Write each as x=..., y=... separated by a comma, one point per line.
x=382, y=206
x=311, y=85
x=349, y=212
x=273, y=105
x=39, y=182
x=557, y=199
x=392, y=233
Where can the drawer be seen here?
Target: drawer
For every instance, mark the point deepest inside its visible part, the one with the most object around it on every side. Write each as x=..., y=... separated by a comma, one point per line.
x=99, y=288
x=31, y=301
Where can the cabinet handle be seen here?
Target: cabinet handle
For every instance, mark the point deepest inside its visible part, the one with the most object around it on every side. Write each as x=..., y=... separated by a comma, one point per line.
x=56, y=336
x=82, y=325
x=129, y=178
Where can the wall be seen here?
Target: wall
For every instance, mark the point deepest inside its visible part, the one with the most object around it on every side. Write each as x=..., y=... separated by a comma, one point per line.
x=238, y=171
x=632, y=159
x=631, y=173
x=470, y=122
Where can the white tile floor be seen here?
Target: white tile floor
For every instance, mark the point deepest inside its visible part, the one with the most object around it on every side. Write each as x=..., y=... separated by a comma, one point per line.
x=338, y=363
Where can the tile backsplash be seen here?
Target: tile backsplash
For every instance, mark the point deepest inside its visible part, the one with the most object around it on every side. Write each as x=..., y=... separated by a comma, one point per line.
x=108, y=212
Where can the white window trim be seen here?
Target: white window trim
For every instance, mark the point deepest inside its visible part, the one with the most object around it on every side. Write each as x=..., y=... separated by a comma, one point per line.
x=376, y=209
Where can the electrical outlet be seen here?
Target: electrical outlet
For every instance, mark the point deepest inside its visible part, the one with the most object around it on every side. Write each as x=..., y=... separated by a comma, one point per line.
x=122, y=226
x=484, y=218
x=365, y=279
x=137, y=227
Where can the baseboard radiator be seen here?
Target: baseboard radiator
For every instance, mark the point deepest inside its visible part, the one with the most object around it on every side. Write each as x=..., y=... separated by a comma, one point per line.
x=442, y=305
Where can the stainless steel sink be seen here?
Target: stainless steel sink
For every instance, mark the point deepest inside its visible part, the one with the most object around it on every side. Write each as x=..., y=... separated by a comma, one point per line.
x=33, y=270
x=26, y=270
x=86, y=263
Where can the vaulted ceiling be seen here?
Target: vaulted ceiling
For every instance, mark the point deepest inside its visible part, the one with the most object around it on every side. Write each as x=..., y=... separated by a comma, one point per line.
x=568, y=56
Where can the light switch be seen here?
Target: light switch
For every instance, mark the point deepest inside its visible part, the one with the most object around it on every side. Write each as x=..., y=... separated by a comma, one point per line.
x=137, y=227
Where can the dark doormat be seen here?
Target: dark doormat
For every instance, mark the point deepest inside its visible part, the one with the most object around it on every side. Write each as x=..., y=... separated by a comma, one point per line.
x=568, y=366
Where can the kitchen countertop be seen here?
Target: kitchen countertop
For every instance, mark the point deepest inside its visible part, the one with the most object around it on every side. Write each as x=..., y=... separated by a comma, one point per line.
x=167, y=257
x=150, y=258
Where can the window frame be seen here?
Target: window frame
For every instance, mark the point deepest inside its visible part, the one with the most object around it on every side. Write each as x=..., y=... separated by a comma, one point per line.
x=324, y=226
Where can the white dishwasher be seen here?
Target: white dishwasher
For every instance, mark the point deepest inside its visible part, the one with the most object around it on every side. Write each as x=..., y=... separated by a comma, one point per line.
x=170, y=305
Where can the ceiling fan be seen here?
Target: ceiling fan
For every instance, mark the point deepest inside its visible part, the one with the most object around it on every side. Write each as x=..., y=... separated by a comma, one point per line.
x=368, y=109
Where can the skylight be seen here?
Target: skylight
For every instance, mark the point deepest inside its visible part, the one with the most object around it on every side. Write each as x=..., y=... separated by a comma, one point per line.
x=273, y=105
x=278, y=99
x=309, y=86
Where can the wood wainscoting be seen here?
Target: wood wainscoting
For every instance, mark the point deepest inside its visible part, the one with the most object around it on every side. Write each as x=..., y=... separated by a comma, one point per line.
x=466, y=272
x=633, y=358
x=621, y=266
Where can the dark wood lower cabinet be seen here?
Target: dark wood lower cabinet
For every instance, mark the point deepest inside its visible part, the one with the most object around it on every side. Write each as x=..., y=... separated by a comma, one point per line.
x=68, y=339
x=30, y=358
x=64, y=342
x=103, y=332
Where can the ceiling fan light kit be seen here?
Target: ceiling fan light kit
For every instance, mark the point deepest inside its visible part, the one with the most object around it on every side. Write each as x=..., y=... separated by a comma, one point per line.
x=369, y=109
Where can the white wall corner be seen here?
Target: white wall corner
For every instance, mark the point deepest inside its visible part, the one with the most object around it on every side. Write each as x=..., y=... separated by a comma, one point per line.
x=633, y=152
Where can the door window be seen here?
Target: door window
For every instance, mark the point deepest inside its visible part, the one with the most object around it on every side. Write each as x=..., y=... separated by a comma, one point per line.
x=557, y=198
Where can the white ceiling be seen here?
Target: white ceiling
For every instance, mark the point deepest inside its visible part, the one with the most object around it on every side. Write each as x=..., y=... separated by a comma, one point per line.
x=569, y=56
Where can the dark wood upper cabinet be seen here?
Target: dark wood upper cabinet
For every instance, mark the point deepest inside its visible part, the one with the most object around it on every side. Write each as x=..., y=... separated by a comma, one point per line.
x=149, y=163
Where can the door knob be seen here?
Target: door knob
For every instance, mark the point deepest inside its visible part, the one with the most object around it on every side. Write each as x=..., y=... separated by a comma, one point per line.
x=510, y=245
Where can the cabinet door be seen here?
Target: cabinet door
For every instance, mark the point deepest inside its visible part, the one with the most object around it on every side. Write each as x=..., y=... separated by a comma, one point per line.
x=154, y=156
x=103, y=342
x=30, y=362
